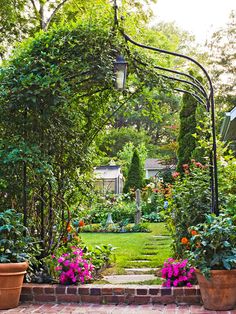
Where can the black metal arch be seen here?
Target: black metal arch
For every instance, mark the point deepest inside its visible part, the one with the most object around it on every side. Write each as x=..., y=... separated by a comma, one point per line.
x=207, y=95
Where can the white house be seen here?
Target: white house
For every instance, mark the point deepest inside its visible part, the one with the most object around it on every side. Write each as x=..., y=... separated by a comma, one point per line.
x=228, y=129
x=109, y=179
x=154, y=167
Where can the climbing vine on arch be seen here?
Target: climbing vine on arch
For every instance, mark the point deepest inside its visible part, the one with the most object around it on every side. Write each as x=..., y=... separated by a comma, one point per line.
x=57, y=92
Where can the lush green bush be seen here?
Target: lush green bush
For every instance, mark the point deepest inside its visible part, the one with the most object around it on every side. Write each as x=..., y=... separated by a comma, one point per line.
x=188, y=203
x=15, y=242
x=153, y=217
x=117, y=228
x=118, y=206
x=153, y=198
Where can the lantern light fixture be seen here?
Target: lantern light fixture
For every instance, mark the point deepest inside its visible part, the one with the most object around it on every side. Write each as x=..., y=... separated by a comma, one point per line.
x=120, y=68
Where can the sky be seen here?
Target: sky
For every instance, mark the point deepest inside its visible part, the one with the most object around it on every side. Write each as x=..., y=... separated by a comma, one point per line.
x=199, y=17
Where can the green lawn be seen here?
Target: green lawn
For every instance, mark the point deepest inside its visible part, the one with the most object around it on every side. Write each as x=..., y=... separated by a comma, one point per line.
x=131, y=247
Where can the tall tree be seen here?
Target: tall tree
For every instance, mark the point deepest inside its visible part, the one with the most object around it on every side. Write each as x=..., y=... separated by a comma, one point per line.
x=186, y=141
x=135, y=174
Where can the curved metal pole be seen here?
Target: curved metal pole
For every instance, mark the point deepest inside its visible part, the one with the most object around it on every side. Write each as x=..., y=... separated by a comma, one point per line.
x=189, y=93
x=194, y=80
x=209, y=101
x=210, y=104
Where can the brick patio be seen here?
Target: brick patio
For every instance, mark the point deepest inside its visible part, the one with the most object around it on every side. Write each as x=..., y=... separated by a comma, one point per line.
x=74, y=308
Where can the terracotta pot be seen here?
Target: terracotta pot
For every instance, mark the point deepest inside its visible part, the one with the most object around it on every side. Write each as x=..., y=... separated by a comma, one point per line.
x=11, y=280
x=219, y=292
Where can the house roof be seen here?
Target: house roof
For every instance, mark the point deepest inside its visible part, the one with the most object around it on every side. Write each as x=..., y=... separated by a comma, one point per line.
x=155, y=164
x=228, y=129
x=107, y=172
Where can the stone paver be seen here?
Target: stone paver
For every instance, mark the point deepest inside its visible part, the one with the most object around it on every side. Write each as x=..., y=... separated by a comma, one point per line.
x=135, y=271
x=122, y=279
x=75, y=308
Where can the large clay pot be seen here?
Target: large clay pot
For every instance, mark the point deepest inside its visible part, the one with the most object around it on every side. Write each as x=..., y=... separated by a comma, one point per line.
x=11, y=280
x=219, y=292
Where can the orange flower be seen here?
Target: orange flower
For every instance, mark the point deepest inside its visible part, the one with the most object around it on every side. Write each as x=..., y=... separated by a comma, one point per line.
x=81, y=223
x=193, y=232
x=184, y=241
x=68, y=228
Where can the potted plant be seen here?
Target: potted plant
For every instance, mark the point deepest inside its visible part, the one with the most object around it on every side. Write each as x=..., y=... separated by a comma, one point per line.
x=14, y=248
x=212, y=251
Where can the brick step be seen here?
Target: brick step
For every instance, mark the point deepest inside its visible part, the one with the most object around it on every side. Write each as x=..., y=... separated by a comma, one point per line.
x=110, y=294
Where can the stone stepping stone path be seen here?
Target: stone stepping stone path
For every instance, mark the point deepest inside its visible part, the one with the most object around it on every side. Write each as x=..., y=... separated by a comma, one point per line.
x=141, y=274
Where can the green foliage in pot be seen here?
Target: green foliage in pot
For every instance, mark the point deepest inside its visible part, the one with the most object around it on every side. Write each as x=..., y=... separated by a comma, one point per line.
x=15, y=244
x=212, y=245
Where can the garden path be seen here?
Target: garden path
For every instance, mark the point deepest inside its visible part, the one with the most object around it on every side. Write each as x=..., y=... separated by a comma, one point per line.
x=141, y=274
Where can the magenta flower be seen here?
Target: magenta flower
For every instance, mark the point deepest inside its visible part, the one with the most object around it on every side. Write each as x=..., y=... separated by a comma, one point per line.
x=73, y=267
x=177, y=273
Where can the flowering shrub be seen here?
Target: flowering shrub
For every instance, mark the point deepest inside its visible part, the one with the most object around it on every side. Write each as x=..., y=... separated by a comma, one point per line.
x=73, y=267
x=177, y=273
x=188, y=203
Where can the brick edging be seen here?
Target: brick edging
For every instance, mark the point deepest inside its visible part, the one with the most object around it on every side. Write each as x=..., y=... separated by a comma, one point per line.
x=110, y=294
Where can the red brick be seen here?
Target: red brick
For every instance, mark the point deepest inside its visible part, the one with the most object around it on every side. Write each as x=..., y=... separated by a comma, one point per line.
x=154, y=291
x=95, y=291
x=38, y=290
x=156, y=299
x=45, y=298
x=91, y=298
x=118, y=291
x=68, y=298
x=26, y=290
x=129, y=299
x=60, y=290
x=165, y=291
x=190, y=291
x=113, y=299
x=167, y=299
x=106, y=291
x=130, y=291
x=191, y=299
x=178, y=291
x=72, y=290
x=141, y=291
x=83, y=291
x=26, y=297
x=141, y=299
x=49, y=290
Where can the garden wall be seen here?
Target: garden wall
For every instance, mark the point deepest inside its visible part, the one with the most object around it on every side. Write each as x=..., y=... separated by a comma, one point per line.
x=110, y=294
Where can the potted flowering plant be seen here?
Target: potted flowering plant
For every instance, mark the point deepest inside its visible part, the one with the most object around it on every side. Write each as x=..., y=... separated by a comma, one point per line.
x=14, y=248
x=212, y=251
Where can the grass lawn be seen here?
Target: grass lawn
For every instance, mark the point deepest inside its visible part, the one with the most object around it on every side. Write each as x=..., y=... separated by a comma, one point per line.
x=132, y=247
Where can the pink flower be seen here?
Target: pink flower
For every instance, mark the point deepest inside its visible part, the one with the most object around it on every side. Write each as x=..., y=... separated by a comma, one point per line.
x=175, y=174
x=60, y=259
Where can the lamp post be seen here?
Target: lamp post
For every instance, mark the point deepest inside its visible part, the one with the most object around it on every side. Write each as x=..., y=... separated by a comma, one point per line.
x=120, y=68
x=201, y=94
